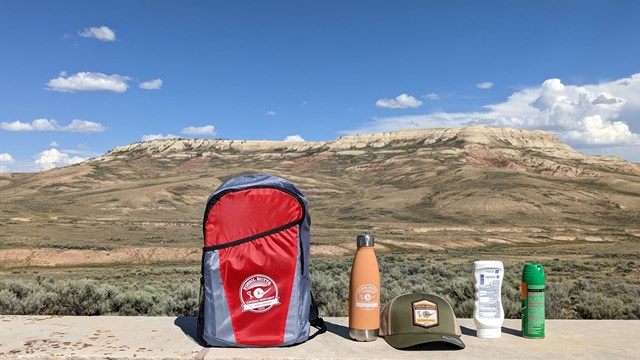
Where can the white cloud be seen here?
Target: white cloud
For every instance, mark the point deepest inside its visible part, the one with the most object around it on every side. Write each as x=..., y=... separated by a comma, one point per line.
x=18, y=126
x=54, y=144
x=52, y=158
x=593, y=115
x=401, y=101
x=155, y=84
x=158, y=136
x=83, y=126
x=271, y=113
x=484, y=85
x=103, y=33
x=305, y=103
x=6, y=158
x=431, y=96
x=89, y=81
x=208, y=130
x=78, y=126
x=597, y=131
x=294, y=138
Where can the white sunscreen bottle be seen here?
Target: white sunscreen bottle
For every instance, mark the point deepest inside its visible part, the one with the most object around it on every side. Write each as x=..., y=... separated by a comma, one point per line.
x=488, y=313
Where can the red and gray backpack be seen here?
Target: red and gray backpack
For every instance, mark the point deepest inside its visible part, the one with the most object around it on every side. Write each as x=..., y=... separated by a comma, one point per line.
x=256, y=288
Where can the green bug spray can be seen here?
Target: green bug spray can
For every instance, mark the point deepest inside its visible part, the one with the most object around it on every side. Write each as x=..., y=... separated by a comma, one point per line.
x=533, y=301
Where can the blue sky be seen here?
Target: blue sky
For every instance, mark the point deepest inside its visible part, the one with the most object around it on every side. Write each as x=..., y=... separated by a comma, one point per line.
x=79, y=78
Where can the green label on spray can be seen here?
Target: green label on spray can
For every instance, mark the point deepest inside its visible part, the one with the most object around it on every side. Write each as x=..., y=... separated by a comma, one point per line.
x=534, y=308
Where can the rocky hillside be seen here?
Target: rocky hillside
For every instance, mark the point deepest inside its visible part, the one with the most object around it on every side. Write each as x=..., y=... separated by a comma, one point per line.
x=425, y=187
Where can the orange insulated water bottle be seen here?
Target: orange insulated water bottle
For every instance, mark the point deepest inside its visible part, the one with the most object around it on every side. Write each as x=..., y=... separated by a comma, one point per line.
x=364, y=292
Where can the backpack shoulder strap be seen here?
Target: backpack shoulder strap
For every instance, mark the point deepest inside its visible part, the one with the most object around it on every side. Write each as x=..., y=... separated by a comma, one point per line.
x=315, y=320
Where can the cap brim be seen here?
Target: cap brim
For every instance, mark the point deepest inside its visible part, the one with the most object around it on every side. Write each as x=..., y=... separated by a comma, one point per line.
x=403, y=341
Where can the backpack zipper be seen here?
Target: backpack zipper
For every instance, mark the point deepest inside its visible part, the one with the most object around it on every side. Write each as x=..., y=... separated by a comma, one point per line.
x=253, y=237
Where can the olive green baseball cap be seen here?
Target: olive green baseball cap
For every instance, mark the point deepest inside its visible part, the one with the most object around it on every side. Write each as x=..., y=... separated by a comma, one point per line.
x=416, y=318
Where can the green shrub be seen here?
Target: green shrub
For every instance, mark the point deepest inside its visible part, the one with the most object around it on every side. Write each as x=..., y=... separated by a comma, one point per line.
x=556, y=300
x=9, y=303
x=183, y=301
x=598, y=306
x=136, y=302
x=606, y=288
x=81, y=297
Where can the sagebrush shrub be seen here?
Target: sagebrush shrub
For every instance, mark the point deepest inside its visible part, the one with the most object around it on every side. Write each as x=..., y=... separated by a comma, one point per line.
x=605, y=289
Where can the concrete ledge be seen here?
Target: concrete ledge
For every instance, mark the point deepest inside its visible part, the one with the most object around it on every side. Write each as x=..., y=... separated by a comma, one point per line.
x=114, y=337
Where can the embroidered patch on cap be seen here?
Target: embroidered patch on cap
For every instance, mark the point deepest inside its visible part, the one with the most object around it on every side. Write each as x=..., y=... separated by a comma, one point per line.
x=425, y=313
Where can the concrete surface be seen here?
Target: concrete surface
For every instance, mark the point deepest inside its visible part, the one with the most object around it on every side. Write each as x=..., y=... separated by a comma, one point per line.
x=114, y=337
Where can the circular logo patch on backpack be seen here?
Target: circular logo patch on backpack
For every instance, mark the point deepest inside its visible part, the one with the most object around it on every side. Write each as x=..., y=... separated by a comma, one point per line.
x=259, y=293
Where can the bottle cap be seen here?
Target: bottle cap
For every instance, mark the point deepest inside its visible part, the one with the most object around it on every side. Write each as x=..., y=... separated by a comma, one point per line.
x=365, y=240
x=484, y=264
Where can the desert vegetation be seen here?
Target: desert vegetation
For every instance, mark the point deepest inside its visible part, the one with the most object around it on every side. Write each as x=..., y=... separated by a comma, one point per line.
x=602, y=291
x=127, y=292
x=594, y=287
